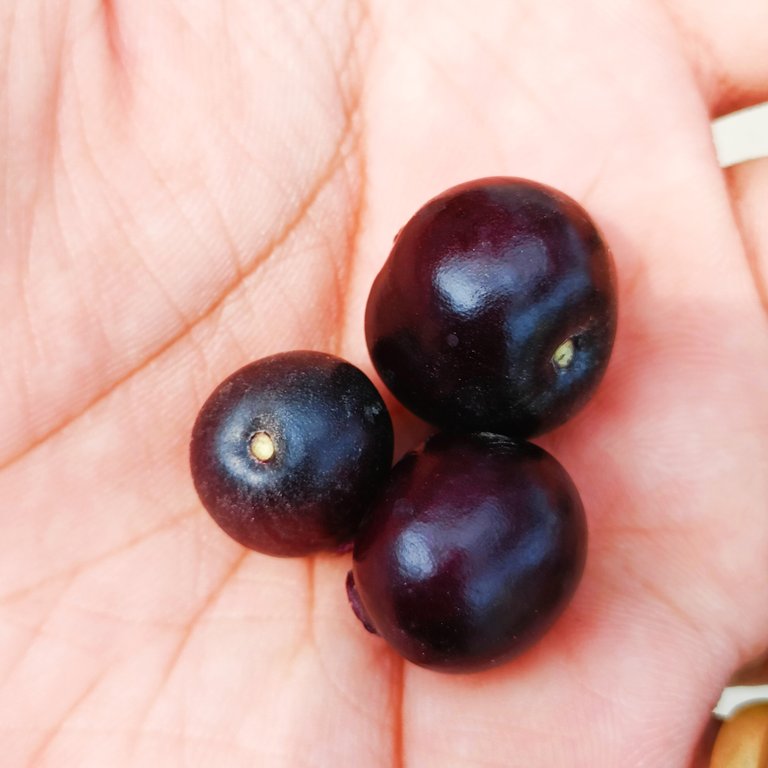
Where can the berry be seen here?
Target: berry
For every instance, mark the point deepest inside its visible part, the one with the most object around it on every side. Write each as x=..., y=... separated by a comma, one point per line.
x=496, y=310
x=288, y=451
x=470, y=553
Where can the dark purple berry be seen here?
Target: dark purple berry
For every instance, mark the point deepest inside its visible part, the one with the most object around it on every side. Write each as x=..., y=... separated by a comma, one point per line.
x=496, y=310
x=288, y=451
x=471, y=552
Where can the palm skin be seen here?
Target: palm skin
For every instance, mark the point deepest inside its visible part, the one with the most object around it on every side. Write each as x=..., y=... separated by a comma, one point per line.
x=191, y=186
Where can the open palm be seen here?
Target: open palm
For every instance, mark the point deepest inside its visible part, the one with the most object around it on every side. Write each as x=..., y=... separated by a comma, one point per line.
x=190, y=186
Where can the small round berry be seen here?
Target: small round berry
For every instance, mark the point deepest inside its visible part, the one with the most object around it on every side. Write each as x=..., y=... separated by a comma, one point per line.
x=496, y=309
x=288, y=451
x=471, y=552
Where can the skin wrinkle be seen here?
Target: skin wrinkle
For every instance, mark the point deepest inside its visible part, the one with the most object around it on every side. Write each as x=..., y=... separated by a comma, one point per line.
x=38, y=631
x=186, y=23
x=108, y=14
x=334, y=682
x=718, y=88
x=352, y=112
x=117, y=220
x=35, y=632
x=397, y=686
x=23, y=381
x=237, y=259
x=326, y=176
x=750, y=256
x=709, y=647
x=357, y=151
x=336, y=161
x=604, y=539
x=485, y=47
x=168, y=625
x=311, y=94
x=340, y=338
x=343, y=276
x=478, y=115
x=50, y=735
x=741, y=220
x=668, y=602
x=7, y=47
x=697, y=54
x=258, y=262
x=592, y=185
x=179, y=649
x=354, y=127
x=105, y=18
x=85, y=566
x=47, y=159
x=27, y=237
x=311, y=572
x=65, y=256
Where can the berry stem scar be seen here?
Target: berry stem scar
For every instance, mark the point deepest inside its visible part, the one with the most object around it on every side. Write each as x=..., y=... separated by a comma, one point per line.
x=563, y=355
x=261, y=446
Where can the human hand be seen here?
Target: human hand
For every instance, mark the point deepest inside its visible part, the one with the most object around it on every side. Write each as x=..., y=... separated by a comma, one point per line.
x=190, y=186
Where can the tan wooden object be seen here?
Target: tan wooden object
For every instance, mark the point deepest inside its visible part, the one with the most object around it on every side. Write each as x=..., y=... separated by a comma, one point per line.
x=742, y=741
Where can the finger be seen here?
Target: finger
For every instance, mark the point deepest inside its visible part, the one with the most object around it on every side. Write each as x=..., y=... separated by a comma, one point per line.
x=727, y=44
x=754, y=673
x=748, y=183
x=703, y=749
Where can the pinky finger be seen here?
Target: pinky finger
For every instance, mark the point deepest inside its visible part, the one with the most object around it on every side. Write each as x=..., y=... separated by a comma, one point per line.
x=748, y=183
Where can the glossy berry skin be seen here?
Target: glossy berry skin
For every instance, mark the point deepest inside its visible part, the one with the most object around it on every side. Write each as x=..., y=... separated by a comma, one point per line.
x=330, y=437
x=467, y=320
x=471, y=552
